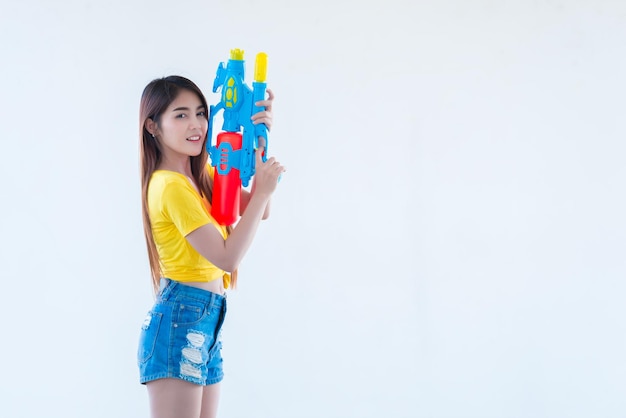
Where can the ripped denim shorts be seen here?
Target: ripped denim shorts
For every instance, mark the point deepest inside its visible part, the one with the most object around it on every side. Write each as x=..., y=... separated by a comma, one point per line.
x=180, y=335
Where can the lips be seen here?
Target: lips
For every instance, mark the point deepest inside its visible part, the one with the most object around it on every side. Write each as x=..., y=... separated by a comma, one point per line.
x=194, y=138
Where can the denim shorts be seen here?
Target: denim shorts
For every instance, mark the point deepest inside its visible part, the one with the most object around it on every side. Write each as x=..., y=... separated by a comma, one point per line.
x=180, y=337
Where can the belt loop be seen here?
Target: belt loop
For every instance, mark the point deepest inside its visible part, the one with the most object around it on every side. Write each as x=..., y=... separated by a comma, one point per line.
x=166, y=286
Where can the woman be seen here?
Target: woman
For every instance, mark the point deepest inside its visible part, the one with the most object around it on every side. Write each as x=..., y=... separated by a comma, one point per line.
x=192, y=258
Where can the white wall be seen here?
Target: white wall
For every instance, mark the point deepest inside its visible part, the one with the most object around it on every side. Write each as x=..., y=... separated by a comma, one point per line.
x=448, y=241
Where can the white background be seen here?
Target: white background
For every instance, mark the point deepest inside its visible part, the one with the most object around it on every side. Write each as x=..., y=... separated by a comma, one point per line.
x=448, y=241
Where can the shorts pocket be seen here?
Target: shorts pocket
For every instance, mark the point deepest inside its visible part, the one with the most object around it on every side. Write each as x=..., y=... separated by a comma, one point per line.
x=148, y=336
x=189, y=312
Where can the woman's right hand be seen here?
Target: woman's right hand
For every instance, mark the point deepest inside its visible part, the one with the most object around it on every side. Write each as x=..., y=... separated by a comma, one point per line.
x=267, y=173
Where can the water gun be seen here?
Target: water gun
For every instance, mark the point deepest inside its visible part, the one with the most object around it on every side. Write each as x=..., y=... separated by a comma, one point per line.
x=233, y=156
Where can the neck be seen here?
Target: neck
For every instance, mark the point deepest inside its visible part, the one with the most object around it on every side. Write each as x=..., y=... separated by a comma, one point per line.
x=181, y=165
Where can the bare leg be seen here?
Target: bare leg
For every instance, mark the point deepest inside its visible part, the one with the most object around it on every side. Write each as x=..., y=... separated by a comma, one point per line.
x=210, y=400
x=174, y=398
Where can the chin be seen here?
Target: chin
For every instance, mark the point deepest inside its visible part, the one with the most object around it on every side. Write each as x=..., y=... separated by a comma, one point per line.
x=195, y=154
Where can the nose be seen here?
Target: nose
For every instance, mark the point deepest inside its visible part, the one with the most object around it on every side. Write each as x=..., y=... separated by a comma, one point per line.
x=196, y=122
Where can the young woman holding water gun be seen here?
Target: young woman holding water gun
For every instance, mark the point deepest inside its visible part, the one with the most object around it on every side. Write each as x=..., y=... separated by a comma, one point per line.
x=192, y=258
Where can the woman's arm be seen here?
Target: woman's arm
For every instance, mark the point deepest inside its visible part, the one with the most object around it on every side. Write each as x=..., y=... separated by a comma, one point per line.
x=228, y=253
x=245, y=199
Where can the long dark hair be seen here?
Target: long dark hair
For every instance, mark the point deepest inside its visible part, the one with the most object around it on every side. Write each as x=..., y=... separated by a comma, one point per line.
x=155, y=99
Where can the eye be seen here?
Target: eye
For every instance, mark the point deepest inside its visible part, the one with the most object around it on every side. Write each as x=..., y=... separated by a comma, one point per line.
x=181, y=116
x=202, y=113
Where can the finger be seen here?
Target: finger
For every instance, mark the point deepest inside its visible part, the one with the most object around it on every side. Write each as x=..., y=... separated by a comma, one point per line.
x=266, y=103
x=262, y=142
x=267, y=121
x=268, y=125
x=262, y=114
x=259, y=154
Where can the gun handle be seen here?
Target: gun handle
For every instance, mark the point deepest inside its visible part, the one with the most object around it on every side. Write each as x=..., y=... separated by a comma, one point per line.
x=258, y=94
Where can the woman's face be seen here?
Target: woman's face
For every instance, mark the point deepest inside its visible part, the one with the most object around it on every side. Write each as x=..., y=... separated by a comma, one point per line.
x=183, y=126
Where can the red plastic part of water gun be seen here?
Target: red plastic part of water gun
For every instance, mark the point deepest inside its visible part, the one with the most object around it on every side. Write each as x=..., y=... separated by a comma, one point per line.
x=227, y=188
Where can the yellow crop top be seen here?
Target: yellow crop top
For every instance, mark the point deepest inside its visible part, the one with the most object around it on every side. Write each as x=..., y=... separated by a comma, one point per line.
x=176, y=209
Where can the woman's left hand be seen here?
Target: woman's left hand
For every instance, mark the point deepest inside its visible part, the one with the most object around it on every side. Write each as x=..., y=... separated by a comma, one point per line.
x=265, y=116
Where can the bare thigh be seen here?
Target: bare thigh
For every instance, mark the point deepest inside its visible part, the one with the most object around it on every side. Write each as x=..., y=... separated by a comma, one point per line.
x=210, y=400
x=175, y=398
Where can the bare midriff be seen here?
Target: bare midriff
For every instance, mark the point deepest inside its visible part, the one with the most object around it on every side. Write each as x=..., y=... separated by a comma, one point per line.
x=215, y=286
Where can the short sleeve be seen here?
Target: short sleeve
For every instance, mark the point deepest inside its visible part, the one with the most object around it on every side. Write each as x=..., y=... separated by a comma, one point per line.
x=183, y=207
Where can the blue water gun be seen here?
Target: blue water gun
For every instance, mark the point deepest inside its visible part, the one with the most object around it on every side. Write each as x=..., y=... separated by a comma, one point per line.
x=238, y=102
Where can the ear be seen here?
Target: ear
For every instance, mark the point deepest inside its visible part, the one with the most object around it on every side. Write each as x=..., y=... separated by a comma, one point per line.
x=151, y=126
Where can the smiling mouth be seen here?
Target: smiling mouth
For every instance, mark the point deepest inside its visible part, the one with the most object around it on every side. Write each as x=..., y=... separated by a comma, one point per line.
x=194, y=138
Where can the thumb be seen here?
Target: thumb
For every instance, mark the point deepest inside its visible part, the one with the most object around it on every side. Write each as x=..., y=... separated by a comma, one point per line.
x=259, y=153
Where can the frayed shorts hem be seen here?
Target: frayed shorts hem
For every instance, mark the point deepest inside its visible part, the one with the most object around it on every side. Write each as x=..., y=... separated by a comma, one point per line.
x=152, y=378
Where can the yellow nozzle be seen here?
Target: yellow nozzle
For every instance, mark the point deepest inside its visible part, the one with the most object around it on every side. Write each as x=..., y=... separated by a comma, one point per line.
x=260, y=67
x=236, y=54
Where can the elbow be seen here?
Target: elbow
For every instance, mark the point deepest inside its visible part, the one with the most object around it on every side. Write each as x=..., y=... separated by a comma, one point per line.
x=226, y=265
x=229, y=265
